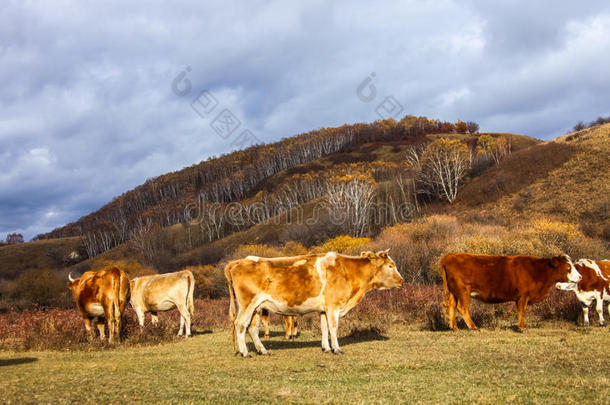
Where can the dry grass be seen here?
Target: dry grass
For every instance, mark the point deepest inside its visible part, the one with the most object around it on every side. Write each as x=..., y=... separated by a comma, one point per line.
x=553, y=364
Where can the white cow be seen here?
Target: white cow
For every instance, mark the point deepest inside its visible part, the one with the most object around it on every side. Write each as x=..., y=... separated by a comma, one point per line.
x=163, y=292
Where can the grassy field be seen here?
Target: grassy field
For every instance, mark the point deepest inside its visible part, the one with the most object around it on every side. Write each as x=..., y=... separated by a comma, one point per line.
x=555, y=363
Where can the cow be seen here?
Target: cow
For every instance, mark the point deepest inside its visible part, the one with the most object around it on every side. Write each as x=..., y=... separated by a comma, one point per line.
x=101, y=294
x=594, y=285
x=290, y=325
x=163, y=292
x=493, y=279
x=330, y=284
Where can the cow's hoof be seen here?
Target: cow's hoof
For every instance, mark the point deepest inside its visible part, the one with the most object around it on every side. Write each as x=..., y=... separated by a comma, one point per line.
x=246, y=356
x=338, y=351
x=326, y=350
x=266, y=336
x=524, y=331
x=264, y=353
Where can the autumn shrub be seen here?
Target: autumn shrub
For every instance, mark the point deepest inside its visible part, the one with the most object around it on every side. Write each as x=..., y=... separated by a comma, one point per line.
x=60, y=329
x=416, y=247
x=344, y=244
x=36, y=287
x=210, y=281
x=131, y=267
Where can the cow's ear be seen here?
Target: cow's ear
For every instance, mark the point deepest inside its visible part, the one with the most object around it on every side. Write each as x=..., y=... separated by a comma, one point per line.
x=383, y=253
x=556, y=261
x=368, y=255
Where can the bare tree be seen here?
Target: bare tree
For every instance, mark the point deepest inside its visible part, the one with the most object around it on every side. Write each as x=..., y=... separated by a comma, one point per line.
x=443, y=166
x=14, y=238
x=349, y=199
x=472, y=127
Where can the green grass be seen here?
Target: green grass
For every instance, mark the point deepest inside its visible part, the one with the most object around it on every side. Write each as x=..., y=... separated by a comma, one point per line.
x=557, y=363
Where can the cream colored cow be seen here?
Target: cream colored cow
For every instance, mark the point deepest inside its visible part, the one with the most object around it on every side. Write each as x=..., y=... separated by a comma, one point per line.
x=163, y=292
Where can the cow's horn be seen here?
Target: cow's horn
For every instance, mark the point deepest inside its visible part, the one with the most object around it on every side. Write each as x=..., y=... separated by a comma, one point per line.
x=70, y=277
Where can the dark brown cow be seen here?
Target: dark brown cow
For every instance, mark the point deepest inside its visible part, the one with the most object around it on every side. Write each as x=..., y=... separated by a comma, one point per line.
x=101, y=294
x=329, y=284
x=594, y=285
x=290, y=325
x=493, y=279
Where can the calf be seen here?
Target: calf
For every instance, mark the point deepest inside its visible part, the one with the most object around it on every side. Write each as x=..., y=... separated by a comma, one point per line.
x=162, y=292
x=290, y=325
x=99, y=295
x=594, y=285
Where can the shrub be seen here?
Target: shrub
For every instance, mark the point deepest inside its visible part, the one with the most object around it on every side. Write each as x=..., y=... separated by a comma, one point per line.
x=132, y=268
x=345, y=244
x=36, y=287
x=210, y=281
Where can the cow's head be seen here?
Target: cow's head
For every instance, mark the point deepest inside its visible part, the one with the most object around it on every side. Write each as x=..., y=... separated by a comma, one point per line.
x=74, y=285
x=565, y=269
x=385, y=273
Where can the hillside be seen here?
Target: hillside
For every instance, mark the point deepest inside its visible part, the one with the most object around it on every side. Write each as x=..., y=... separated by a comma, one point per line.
x=293, y=189
x=567, y=179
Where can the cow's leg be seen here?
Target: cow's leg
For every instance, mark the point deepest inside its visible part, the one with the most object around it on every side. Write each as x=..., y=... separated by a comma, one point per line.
x=154, y=317
x=599, y=307
x=451, y=306
x=287, y=327
x=185, y=320
x=463, y=302
x=110, y=321
x=253, y=330
x=242, y=322
x=100, y=327
x=264, y=316
x=585, y=313
x=333, y=326
x=294, y=327
x=140, y=314
x=324, y=329
x=521, y=306
x=90, y=332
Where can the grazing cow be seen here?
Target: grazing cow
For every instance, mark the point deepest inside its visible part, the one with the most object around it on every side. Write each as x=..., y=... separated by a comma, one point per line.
x=101, y=294
x=330, y=284
x=290, y=325
x=162, y=292
x=594, y=285
x=493, y=279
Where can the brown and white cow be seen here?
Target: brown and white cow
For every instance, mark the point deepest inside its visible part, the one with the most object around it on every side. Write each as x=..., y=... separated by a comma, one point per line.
x=493, y=279
x=163, y=292
x=594, y=285
x=330, y=284
x=290, y=325
x=101, y=294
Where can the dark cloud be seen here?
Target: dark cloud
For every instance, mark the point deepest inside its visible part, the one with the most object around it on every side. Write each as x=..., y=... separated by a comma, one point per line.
x=87, y=109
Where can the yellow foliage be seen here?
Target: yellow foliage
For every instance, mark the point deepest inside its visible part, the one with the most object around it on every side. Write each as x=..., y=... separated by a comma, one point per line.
x=344, y=244
x=132, y=268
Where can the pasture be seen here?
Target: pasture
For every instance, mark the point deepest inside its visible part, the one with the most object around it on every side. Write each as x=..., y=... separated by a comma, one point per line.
x=554, y=362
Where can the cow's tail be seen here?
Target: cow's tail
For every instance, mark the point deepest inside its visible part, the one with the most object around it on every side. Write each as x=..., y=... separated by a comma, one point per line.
x=190, y=281
x=116, y=304
x=446, y=293
x=232, y=309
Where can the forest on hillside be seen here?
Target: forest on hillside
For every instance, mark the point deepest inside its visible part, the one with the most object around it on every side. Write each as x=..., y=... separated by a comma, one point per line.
x=224, y=194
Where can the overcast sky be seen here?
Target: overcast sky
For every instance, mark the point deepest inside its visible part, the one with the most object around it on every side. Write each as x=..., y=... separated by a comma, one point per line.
x=96, y=97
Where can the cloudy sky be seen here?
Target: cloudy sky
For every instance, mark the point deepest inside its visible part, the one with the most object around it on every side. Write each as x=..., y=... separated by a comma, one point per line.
x=97, y=97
